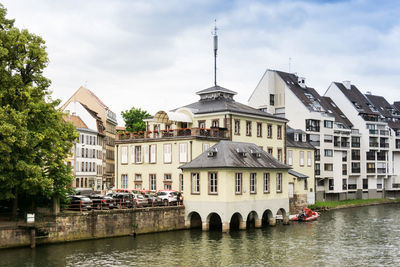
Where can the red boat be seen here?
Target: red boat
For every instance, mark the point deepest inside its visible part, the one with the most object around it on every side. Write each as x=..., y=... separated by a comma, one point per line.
x=306, y=215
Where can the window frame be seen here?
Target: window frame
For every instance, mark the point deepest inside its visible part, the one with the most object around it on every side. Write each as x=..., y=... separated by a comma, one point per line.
x=238, y=178
x=267, y=182
x=213, y=189
x=197, y=184
x=253, y=183
x=279, y=184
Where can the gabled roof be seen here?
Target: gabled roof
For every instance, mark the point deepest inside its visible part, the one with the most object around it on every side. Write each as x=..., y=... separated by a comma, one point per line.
x=329, y=105
x=355, y=96
x=227, y=156
x=290, y=142
x=76, y=121
x=307, y=95
x=382, y=105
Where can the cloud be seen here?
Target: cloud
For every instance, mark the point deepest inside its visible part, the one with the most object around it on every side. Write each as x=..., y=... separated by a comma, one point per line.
x=157, y=54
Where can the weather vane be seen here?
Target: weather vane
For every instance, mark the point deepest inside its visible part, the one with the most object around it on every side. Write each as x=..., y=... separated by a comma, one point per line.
x=215, y=51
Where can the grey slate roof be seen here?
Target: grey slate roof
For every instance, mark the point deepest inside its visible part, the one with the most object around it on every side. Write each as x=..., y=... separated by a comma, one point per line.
x=355, y=96
x=297, y=174
x=227, y=156
x=385, y=109
x=223, y=104
x=328, y=104
x=298, y=144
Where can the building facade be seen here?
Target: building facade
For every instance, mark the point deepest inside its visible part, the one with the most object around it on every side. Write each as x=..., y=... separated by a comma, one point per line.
x=108, y=120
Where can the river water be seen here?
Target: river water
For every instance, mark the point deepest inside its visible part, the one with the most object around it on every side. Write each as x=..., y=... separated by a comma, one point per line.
x=365, y=236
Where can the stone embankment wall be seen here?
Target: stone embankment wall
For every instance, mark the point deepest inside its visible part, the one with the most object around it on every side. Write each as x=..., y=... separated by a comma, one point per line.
x=297, y=203
x=94, y=224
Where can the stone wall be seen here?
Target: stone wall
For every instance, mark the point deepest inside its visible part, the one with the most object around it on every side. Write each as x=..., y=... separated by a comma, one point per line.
x=297, y=203
x=95, y=224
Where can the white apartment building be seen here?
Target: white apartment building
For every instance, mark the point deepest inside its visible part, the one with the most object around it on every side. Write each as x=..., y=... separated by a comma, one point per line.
x=378, y=125
x=328, y=129
x=88, y=159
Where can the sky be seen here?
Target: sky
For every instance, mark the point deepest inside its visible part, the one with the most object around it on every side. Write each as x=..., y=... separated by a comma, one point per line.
x=156, y=54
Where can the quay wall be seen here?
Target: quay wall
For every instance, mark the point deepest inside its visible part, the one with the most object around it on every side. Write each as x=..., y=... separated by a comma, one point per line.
x=72, y=226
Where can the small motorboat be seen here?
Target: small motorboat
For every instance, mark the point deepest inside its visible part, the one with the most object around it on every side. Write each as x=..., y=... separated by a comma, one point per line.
x=305, y=216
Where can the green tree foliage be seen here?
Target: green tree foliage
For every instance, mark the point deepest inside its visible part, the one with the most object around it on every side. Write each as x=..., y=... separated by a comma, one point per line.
x=134, y=119
x=34, y=140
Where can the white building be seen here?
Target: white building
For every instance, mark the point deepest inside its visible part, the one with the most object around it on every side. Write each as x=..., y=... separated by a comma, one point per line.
x=88, y=160
x=372, y=162
x=327, y=128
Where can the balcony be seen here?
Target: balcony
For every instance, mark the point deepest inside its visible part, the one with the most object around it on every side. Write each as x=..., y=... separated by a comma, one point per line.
x=355, y=170
x=344, y=187
x=344, y=172
x=384, y=145
x=317, y=172
x=355, y=157
x=317, y=158
x=373, y=144
x=354, y=144
x=381, y=170
x=352, y=187
x=370, y=170
x=193, y=132
x=384, y=132
x=373, y=131
x=345, y=144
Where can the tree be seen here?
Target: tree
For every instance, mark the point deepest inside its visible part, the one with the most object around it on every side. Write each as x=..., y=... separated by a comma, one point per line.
x=134, y=119
x=34, y=140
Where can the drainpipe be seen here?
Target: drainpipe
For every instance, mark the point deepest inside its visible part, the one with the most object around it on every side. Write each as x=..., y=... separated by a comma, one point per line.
x=116, y=166
x=230, y=127
x=191, y=150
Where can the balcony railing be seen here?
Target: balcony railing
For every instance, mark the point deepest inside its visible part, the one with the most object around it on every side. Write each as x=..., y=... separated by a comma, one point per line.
x=370, y=170
x=345, y=144
x=381, y=158
x=355, y=157
x=317, y=172
x=384, y=145
x=344, y=172
x=373, y=131
x=384, y=132
x=373, y=144
x=355, y=170
x=317, y=158
x=353, y=144
x=213, y=132
x=344, y=186
x=381, y=170
x=352, y=187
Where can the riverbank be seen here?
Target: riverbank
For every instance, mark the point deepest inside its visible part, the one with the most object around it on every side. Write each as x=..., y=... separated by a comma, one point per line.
x=350, y=203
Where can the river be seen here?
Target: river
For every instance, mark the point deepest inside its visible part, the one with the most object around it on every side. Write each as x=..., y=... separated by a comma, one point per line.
x=364, y=236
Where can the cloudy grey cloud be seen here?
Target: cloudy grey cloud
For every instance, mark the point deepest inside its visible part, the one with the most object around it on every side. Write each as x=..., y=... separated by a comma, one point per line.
x=156, y=54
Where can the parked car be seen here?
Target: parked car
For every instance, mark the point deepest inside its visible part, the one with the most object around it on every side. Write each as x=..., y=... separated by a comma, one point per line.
x=84, y=191
x=140, y=200
x=124, y=200
x=153, y=200
x=168, y=197
x=103, y=202
x=79, y=202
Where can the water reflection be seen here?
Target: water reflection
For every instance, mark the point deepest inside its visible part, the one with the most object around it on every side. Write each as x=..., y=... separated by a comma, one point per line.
x=368, y=236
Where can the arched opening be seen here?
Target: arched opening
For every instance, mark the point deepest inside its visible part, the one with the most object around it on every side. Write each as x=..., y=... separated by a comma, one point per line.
x=235, y=221
x=195, y=220
x=265, y=217
x=215, y=222
x=280, y=214
x=251, y=220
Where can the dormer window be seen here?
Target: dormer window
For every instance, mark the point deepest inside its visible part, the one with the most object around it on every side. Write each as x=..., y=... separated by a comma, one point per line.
x=241, y=152
x=255, y=153
x=296, y=137
x=212, y=153
x=304, y=138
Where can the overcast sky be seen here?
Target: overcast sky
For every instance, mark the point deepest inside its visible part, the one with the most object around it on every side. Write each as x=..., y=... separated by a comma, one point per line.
x=156, y=54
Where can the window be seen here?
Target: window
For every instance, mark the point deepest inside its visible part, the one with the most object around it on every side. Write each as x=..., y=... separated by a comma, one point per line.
x=331, y=184
x=181, y=182
x=238, y=183
x=252, y=183
x=328, y=124
x=296, y=137
x=304, y=138
x=305, y=184
x=279, y=182
x=167, y=153
x=259, y=129
x=266, y=182
x=195, y=183
x=328, y=152
x=153, y=153
x=344, y=182
x=312, y=125
x=202, y=124
x=355, y=167
x=152, y=182
x=237, y=127
x=355, y=154
x=212, y=183
x=138, y=154
x=280, y=154
x=167, y=186
x=183, y=153
x=279, y=132
x=328, y=167
x=215, y=123
x=270, y=150
x=301, y=158
x=248, y=128
x=328, y=138
x=269, y=131
x=344, y=156
x=124, y=155
x=272, y=99
x=167, y=177
x=138, y=177
x=309, y=159
x=290, y=157
x=124, y=179
x=206, y=146
x=365, y=183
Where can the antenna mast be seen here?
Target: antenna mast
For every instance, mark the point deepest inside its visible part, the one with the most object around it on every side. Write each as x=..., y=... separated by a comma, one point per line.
x=215, y=51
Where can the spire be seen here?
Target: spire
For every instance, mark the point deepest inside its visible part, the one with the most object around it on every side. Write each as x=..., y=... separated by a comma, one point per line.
x=215, y=51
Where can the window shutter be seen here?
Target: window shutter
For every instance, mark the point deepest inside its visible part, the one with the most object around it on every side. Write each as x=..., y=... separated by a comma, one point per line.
x=183, y=152
x=153, y=154
x=146, y=154
x=124, y=154
x=132, y=155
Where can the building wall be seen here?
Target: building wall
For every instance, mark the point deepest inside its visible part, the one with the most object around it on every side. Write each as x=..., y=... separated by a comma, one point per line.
x=227, y=202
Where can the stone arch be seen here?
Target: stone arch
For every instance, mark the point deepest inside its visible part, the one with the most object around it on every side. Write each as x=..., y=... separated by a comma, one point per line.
x=281, y=212
x=195, y=220
x=214, y=221
x=252, y=218
x=266, y=217
x=236, y=219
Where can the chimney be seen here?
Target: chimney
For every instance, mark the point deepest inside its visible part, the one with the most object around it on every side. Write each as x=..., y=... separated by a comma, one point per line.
x=347, y=84
x=368, y=93
x=302, y=81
